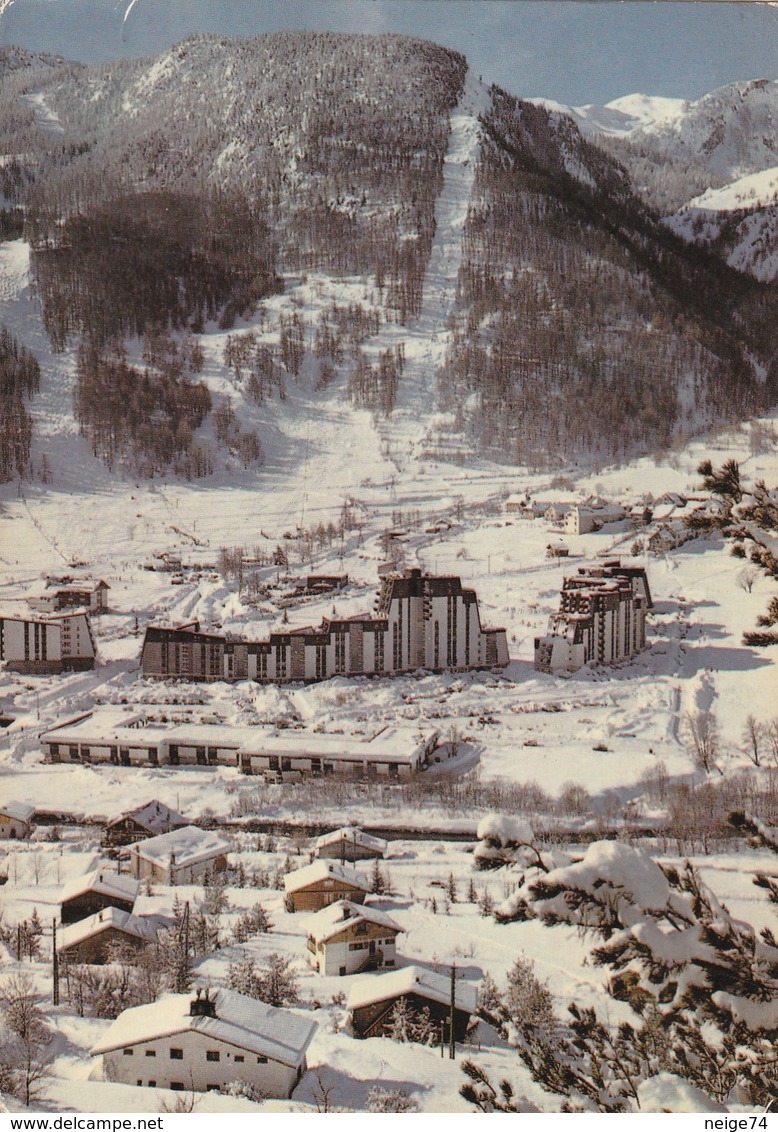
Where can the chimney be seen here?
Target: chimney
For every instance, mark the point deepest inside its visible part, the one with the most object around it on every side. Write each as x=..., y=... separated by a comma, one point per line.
x=202, y=1005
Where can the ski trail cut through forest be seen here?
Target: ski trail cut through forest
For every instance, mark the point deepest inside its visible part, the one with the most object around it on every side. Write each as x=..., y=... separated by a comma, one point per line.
x=427, y=339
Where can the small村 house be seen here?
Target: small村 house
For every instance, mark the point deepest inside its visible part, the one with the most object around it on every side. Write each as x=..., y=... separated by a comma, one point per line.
x=346, y=938
x=183, y=856
x=372, y=1001
x=142, y=823
x=322, y=883
x=350, y=844
x=16, y=820
x=94, y=891
x=207, y=1041
x=98, y=938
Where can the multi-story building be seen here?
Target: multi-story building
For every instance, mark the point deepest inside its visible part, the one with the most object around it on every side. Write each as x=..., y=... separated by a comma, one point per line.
x=47, y=643
x=419, y=621
x=69, y=593
x=601, y=619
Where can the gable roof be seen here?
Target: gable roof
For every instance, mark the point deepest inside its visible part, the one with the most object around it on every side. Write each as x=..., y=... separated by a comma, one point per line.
x=189, y=845
x=355, y=836
x=321, y=870
x=240, y=1021
x=19, y=811
x=329, y=921
x=412, y=980
x=154, y=817
x=100, y=922
x=103, y=882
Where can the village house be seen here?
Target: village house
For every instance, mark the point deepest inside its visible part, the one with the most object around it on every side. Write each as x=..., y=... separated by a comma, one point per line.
x=47, y=644
x=94, y=891
x=350, y=844
x=288, y=754
x=99, y=938
x=142, y=822
x=346, y=939
x=183, y=856
x=419, y=621
x=16, y=820
x=583, y=518
x=69, y=593
x=322, y=883
x=207, y=1041
x=372, y=1001
x=601, y=619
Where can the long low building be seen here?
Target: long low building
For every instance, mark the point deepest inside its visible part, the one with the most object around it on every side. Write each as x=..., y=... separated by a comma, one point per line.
x=391, y=751
x=419, y=621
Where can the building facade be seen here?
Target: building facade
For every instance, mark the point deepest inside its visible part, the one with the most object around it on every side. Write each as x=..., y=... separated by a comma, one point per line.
x=346, y=939
x=47, y=644
x=99, y=938
x=321, y=883
x=601, y=619
x=207, y=1042
x=16, y=820
x=372, y=1002
x=419, y=621
x=91, y=893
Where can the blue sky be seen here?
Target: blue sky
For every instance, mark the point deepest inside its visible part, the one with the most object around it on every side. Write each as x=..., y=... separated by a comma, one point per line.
x=573, y=50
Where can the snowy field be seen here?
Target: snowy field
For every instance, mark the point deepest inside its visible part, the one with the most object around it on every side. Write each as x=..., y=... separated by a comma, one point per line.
x=596, y=734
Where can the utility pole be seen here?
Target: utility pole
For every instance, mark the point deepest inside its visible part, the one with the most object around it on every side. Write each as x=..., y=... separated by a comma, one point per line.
x=451, y=1043
x=54, y=964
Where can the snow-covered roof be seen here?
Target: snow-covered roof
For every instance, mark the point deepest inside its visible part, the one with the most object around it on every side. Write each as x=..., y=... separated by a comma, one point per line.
x=323, y=925
x=153, y=817
x=321, y=870
x=101, y=921
x=189, y=845
x=18, y=811
x=355, y=836
x=240, y=1021
x=105, y=727
x=103, y=882
x=389, y=744
x=412, y=980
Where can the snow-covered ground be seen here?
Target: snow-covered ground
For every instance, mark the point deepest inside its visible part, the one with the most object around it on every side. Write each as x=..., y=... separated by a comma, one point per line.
x=591, y=736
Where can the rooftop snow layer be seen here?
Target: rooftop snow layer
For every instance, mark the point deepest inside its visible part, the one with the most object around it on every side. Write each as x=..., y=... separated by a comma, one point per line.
x=412, y=980
x=241, y=1021
x=187, y=845
x=325, y=924
x=103, y=882
x=101, y=921
x=321, y=870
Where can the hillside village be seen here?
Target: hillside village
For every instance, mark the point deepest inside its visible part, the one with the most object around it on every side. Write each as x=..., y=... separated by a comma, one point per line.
x=354, y=757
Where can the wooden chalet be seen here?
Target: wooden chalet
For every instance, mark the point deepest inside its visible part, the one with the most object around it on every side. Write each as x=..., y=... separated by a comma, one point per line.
x=372, y=1002
x=322, y=883
x=346, y=939
x=94, y=891
x=98, y=938
x=183, y=856
x=145, y=821
x=350, y=844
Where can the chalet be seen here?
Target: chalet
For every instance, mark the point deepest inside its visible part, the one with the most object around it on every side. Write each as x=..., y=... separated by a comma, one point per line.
x=419, y=621
x=95, y=891
x=350, y=844
x=70, y=593
x=142, y=822
x=98, y=938
x=601, y=619
x=16, y=820
x=183, y=856
x=47, y=644
x=372, y=1001
x=207, y=1041
x=346, y=939
x=322, y=883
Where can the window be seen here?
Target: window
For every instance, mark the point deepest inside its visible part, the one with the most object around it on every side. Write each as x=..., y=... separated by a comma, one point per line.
x=151, y=1053
x=176, y=1055
x=212, y=1055
x=261, y=1060
x=128, y=1052
x=139, y=1082
x=239, y=1058
x=177, y=1085
x=152, y=1084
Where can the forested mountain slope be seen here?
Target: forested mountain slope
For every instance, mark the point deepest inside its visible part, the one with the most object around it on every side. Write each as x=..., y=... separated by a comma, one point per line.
x=183, y=193
x=586, y=327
